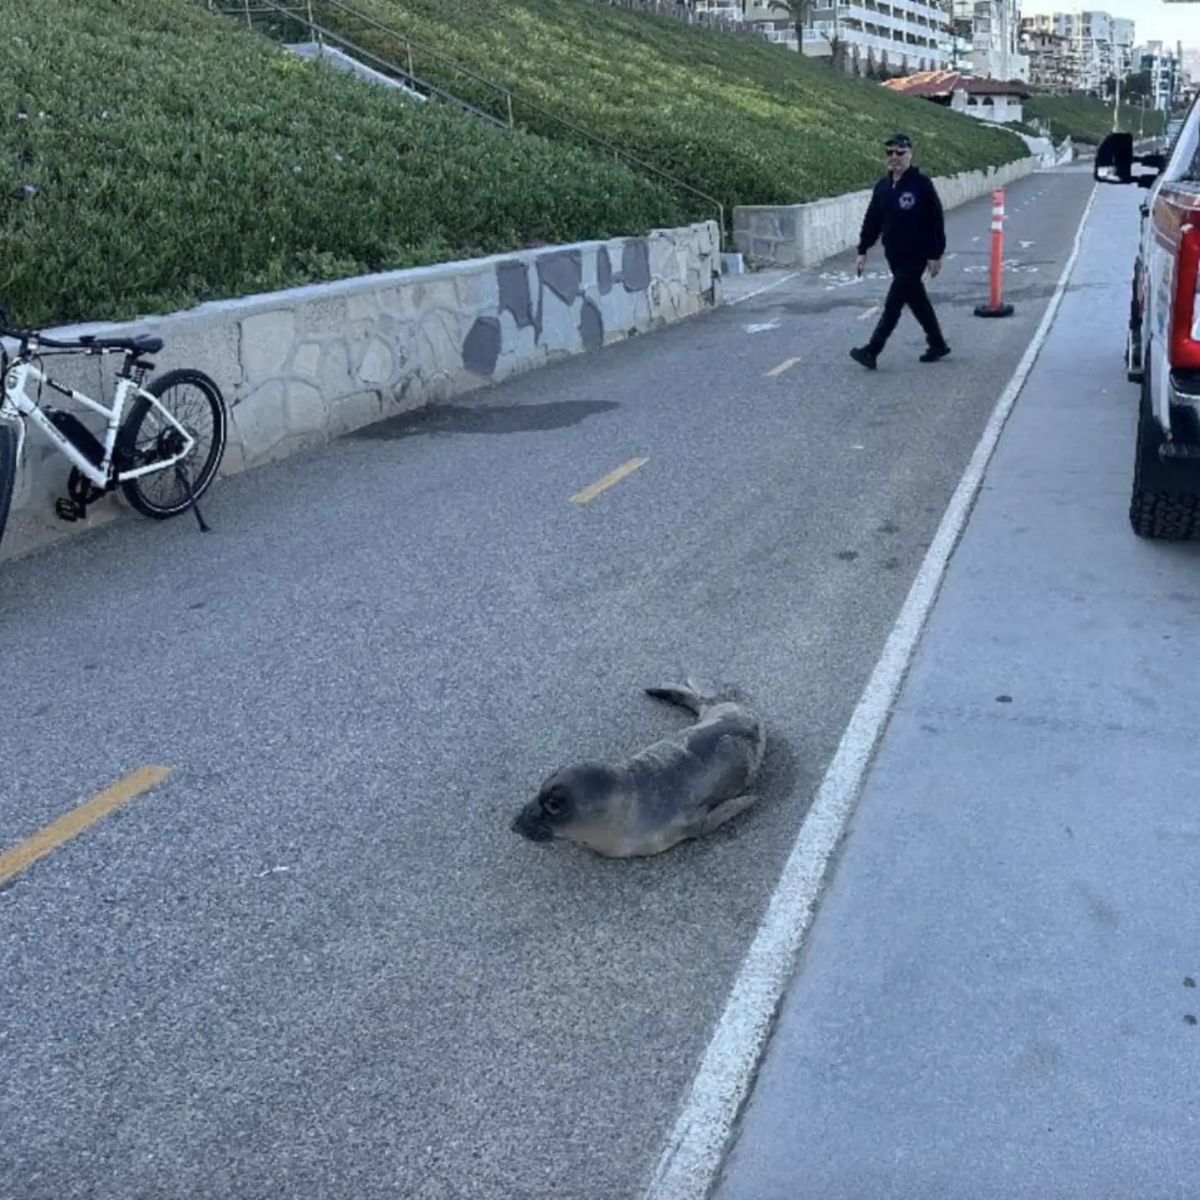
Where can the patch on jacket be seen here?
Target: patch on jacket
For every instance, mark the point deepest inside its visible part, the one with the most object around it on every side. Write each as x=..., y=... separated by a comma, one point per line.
x=907, y=199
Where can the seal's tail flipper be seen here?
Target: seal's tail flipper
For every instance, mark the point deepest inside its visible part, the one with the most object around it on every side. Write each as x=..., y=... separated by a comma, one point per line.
x=691, y=695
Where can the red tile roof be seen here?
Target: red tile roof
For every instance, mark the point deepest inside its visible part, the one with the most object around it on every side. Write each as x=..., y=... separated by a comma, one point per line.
x=942, y=83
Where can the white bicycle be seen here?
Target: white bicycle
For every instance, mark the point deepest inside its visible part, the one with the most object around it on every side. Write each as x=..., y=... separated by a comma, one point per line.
x=163, y=456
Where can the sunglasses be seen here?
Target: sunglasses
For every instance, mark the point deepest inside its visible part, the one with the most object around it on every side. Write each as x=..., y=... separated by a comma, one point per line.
x=896, y=151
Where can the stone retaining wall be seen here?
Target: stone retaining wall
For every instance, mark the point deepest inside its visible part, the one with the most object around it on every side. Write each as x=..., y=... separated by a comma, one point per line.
x=301, y=366
x=801, y=235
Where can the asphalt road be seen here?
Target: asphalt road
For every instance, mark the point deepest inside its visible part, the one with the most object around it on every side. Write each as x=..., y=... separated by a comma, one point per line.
x=315, y=961
x=998, y=997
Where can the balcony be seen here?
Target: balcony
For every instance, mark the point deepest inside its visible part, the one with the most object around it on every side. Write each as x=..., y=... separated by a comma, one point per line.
x=897, y=19
x=900, y=10
x=896, y=47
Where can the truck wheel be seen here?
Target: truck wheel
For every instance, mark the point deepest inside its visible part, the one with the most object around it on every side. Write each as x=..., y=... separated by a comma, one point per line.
x=1163, y=515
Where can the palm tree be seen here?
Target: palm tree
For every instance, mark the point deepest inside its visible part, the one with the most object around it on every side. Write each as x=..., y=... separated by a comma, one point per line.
x=798, y=11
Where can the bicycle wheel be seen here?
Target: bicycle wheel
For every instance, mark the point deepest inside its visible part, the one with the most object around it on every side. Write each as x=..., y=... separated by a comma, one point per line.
x=8, y=469
x=195, y=401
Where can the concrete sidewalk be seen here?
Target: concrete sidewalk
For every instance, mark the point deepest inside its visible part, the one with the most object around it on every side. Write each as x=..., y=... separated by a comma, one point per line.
x=998, y=995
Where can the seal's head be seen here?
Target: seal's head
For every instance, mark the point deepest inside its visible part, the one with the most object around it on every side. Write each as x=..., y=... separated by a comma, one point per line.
x=576, y=804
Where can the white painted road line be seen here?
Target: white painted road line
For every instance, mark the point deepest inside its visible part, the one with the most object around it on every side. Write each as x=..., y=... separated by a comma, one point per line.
x=765, y=288
x=693, y=1152
x=786, y=365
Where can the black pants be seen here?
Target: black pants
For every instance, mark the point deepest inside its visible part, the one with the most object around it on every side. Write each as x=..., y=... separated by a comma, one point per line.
x=907, y=288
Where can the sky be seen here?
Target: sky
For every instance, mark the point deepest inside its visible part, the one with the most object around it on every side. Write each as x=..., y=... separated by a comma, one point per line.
x=1155, y=20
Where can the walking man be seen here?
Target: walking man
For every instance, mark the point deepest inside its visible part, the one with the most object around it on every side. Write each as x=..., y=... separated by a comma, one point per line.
x=906, y=210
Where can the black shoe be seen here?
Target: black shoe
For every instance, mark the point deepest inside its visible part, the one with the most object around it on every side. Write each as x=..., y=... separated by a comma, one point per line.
x=861, y=354
x=934, y=353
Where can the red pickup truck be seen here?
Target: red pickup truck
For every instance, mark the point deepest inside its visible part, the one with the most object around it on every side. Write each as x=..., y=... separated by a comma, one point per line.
x=1163, y=344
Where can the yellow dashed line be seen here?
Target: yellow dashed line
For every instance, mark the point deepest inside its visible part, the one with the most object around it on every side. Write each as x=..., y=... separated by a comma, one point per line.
x=602, y=485
x=26, y=853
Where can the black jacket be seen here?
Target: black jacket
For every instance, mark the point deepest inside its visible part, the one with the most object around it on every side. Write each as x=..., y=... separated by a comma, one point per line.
x=909, y=214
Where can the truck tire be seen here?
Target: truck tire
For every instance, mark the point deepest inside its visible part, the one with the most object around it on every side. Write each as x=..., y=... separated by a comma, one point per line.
x=1156, y=512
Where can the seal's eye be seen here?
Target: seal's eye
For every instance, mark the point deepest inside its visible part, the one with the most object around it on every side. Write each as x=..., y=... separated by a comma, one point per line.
x=553, y=803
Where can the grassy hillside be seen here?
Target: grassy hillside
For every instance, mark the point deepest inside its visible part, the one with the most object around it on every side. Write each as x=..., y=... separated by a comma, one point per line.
x=1086, y=119
x=740, y=119
x=155, y=155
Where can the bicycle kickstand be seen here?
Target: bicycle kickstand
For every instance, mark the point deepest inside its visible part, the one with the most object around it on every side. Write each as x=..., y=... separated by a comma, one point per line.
x=182, y=475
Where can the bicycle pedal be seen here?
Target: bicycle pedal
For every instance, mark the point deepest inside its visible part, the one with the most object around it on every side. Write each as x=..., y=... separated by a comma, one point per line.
x=69, y=510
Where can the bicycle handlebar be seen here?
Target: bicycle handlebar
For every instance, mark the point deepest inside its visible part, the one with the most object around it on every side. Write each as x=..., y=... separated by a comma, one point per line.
x=25, y=335
x=86, y=343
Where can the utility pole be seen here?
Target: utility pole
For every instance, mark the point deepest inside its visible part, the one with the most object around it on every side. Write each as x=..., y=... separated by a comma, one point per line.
x=1003, y=14
x=1079, y=48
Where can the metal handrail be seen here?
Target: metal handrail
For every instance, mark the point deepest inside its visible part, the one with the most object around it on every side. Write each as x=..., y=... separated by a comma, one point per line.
x=259, y=7
x=423, y=84
x=367, y=19
x=510, y=98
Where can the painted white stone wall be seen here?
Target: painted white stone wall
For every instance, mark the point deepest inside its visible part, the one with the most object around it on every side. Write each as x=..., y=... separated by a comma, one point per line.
x=1048, y=154
x=302, y=366
x=801, y=235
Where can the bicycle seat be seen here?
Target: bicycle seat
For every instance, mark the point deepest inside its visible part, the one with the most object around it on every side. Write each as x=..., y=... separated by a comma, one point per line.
x=144, y=343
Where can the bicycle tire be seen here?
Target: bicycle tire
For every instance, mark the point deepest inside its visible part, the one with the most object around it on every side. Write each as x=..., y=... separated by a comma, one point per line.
x=8, y=470
x=134, y=490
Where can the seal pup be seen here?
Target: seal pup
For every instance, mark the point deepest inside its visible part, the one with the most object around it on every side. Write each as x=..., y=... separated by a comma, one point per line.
x=683, y=786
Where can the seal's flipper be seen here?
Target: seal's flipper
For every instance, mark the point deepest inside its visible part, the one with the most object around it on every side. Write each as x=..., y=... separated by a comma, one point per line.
x=720, y=813
x=677, y=694
x=691, y=695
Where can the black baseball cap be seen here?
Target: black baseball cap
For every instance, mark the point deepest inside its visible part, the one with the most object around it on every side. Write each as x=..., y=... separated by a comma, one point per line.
x=900, y=140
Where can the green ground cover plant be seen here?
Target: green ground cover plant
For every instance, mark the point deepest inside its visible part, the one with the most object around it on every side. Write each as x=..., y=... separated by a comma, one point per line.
x=738, y=118
x=1087, y=119
x=154, y=155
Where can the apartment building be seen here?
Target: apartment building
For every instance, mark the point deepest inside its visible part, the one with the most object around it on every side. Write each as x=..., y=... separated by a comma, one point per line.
x=986, y=39
x=1052, y=66
x=900, y=36
x=1081, y=51
x=725, y=10
x=896, y=35
x=1165, y=71
x=1190, y=64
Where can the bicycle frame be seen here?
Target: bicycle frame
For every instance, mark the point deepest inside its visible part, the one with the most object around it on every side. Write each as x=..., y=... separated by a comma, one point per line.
x=16, y=400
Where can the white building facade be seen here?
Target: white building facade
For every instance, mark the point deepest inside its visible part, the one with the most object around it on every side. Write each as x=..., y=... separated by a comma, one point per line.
x=1165, y=71
x=986, y=39
x=899, y=36
x=1096, y=47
